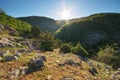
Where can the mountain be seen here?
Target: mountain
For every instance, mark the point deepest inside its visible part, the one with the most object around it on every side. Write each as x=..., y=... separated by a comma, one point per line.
x=44, y=23
x=14, y=24
x=102, y=28
x=1, y=11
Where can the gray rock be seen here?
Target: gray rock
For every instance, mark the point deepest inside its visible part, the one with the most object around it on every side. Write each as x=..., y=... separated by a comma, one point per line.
x=15, y=73
x=61, y=64
x=43, y=57
x=68, y=78
x=116, y=75
x=36, y=62
x=10, y=58
x=3, y=53
x=93, y=71
x=99, y=66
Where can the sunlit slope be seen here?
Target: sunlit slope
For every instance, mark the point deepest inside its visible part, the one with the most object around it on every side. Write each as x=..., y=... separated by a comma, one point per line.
x=92, y=30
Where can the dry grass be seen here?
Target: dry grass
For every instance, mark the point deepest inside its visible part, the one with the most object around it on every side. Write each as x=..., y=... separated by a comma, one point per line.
x=51, y=70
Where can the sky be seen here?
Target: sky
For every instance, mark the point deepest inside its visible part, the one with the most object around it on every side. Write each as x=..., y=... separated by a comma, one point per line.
x=58, y=9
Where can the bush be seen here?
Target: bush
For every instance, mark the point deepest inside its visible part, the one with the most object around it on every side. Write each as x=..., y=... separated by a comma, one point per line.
x=110, y=55
x=78, y=49
x=57, y=43
x=46, y=41
x=65, y=48
x=46, y=46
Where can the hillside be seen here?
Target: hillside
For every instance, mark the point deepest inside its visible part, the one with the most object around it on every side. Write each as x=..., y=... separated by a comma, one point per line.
x=44, y=23
x=14, y=24
x=96, y=29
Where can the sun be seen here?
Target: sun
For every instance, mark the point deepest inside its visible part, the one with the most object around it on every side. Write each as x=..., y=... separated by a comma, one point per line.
x=65, y=14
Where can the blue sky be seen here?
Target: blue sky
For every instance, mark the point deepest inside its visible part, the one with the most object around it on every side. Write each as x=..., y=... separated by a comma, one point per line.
x=52, y=8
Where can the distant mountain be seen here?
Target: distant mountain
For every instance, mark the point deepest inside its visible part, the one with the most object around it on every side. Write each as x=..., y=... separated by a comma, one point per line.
x=44, y=23
x=96, y=29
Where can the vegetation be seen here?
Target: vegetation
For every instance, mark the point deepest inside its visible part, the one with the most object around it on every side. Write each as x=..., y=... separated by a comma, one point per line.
x=44, y=23
x=110, y=55
x=91, y=31
x=79, y=50
x=20, y=26
x=46, y=41
x=65, y=48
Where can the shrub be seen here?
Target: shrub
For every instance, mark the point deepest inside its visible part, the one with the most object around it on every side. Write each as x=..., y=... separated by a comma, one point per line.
x=65, y=48
x=57, y=43
x=46, y=41
x=110, y=55
x=78, y=49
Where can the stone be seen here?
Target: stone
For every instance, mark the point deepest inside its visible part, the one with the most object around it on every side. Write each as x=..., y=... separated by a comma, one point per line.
x=3, y=53
x=61, y=64
x=24, y=70
x=99, y=66
x=68, y=78
x=93, y=71
x=10, y=58
x=43, y=57
x=15, y=73
x=36, y=62
x=116, y=75
x=69, y=62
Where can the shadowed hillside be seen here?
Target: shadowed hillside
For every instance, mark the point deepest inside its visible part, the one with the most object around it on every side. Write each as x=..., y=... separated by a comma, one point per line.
x=44, y=23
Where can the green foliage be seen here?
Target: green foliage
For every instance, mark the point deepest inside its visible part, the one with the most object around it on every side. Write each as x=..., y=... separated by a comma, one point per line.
x=110, y=55
x=57, y=43
x=35, y=31
x=20, y=26
x=79, y=29
x=79, y=50
x=46, y=41
x=44, y=23
x=65, y=48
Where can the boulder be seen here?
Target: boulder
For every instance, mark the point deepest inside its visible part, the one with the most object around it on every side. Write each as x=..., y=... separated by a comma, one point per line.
x=36, y=63
x=10, y=58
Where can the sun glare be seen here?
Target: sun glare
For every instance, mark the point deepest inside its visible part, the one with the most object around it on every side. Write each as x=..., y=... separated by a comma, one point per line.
x=65, y=14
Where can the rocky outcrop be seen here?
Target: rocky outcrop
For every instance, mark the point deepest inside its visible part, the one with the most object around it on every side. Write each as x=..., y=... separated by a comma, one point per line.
x=4, y=53
x=5, y=42
x=36, y=63
x=70, y=62
x=116, y=75
x=11, y=30
x=14, y=73
x=94, y=38
x=1, y=28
